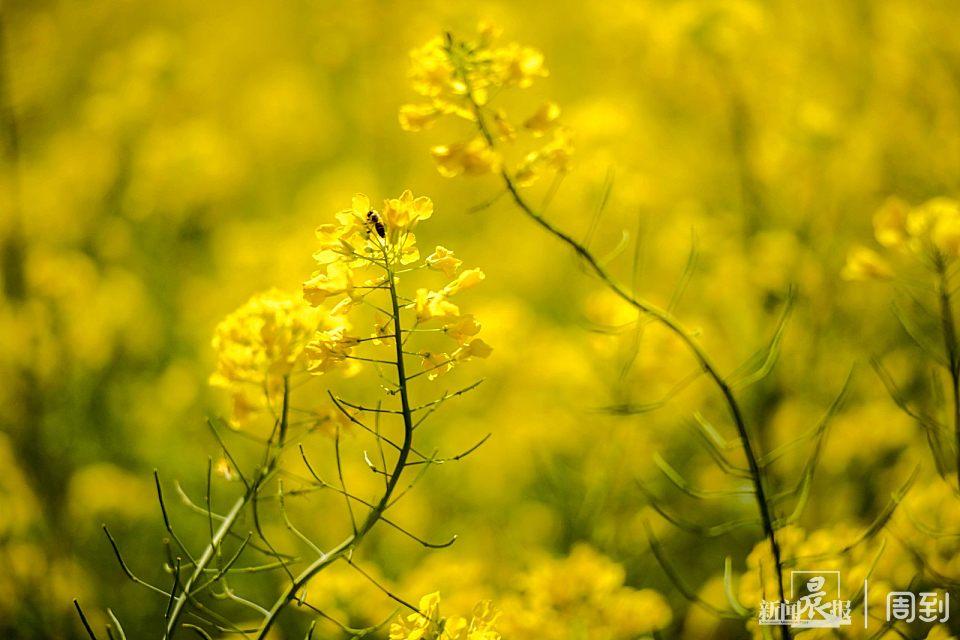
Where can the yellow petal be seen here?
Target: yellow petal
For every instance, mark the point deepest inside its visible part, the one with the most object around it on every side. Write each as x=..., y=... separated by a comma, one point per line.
x=361, y=204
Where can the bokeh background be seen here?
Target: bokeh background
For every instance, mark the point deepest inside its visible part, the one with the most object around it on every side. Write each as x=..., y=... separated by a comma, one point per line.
x=164, y=161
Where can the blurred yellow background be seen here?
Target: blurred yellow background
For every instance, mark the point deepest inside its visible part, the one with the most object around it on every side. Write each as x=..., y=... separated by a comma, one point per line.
x=164, y=161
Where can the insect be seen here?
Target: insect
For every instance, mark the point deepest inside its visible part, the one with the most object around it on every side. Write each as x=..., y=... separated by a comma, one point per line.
x=373, y=219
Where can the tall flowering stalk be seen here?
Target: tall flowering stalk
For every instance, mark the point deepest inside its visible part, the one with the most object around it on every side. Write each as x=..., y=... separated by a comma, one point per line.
x=276, y=339
x=460, y=78
x=363, y=254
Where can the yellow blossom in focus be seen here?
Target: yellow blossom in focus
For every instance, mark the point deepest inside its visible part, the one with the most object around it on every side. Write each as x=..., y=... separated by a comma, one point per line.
x=442, y=260
x=407, y=249
x=476, y=348
x=258, y=345
x=404, y=212
x=467, y=279
x=427, y=624
x=464, y=328
x=330, y=280
x=359, y=257
x=330, y=350
x=434, y=304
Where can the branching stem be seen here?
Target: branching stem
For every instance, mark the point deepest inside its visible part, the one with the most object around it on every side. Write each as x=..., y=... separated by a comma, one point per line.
x=226, y=526
x=343, y=549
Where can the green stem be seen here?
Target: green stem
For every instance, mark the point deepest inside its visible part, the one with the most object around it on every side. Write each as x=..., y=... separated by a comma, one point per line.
x=289, y=593
x=204, y=561
x=668, y=321
x=229, y=520
x=953, y=354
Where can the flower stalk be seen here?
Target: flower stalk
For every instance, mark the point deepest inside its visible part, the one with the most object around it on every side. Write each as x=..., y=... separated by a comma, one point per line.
x=668, y=321
x=275, y=336
x=458, y=78
x=290, y=592
x=949, y=330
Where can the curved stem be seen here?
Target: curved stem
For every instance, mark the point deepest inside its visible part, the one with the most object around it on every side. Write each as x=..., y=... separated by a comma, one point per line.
x=289, y=593
x=668, y=321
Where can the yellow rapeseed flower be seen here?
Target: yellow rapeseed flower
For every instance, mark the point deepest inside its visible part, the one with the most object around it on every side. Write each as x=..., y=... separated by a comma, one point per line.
x=473, y=158
x=545, y=119
x=427, y=624
x=865, y=264
x=258, y=345
x=890, y=223
x=442, y=259
x=460, y=78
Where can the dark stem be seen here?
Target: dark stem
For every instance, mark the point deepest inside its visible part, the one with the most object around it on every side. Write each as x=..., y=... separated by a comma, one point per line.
x=668, y=321
x=350, y=542
x=951, y=347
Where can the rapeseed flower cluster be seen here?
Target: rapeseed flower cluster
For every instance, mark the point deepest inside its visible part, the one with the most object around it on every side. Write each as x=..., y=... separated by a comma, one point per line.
x=277, y=334
x=462, y=79
x=582, y=593
x=428, y=624
x=360, y=255
x=258, y=346
x=928, y=233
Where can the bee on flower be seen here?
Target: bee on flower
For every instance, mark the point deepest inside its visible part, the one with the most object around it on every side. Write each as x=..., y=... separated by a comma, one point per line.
x=357, y=310
x=362, y=255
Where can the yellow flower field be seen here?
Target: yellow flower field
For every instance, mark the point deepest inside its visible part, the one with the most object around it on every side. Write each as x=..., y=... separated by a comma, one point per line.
x=480, y=321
